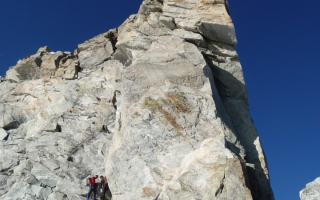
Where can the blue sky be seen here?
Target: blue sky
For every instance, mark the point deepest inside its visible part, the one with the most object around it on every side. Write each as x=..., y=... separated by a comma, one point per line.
x=278, y=48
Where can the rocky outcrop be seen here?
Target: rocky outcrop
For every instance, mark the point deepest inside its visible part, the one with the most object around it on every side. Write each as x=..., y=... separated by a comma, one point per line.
x=2, y=78
x=45, y=64
x=97, y=50
x=159, y=105
x=311, y=192
x=59, y=131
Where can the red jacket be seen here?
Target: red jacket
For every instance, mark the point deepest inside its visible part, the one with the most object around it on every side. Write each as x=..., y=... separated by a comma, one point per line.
x=93, y=181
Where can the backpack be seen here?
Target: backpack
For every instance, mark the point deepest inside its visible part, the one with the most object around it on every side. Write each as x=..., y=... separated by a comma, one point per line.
x=88, y=183
x=92, y=181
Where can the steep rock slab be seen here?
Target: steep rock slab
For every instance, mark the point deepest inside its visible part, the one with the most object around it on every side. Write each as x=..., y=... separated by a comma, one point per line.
x=157, y=61
x=311, y=192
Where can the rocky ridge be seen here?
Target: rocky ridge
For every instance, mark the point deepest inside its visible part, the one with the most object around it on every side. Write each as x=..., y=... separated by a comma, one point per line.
x=158, y=104
x=311, y=191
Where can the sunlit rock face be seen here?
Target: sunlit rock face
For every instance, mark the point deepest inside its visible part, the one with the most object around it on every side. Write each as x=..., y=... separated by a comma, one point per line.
x=311, y=191
x=159, y=105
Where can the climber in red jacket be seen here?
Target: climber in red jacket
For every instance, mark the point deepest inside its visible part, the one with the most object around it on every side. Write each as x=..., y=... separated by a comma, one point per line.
x=93, y=187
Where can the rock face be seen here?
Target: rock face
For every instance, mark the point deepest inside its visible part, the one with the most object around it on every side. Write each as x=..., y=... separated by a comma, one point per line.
x=159, y=105
x=312, y=191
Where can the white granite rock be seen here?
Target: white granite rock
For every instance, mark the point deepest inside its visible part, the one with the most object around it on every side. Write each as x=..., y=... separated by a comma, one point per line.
x=96, y=50
x=3, y=134
x=311, y=191
x=159, y=105
x=59, y=133
x=208, y=17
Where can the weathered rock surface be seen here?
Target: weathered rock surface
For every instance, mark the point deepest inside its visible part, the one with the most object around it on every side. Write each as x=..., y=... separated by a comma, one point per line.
x=312, y=191
x=159, y=105
x=44, y=63
x=97, y=50
x=59, y=131
x=2, y=78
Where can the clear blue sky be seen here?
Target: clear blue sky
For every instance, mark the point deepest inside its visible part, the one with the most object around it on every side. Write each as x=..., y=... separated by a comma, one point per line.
x=278, y=48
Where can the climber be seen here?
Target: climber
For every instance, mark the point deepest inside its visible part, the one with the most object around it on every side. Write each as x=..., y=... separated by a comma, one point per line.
x=93, y=187
x=104, y=186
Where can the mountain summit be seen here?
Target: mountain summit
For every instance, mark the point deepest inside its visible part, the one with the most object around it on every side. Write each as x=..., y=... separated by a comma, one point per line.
x=158, y=105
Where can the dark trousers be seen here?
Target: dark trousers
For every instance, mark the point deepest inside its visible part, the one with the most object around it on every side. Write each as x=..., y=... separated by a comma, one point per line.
x=103, y=193
x=94, y=190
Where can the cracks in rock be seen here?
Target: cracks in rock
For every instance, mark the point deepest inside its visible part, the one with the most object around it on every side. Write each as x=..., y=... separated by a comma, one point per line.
x=221, y=187
x=57, y=61
x=210, y=56
x=192, y=41
x=105, y=128
x=206, y=39
x=57, y=129
x=105, y=60
x=142, y=33
x=113, y=38
x=185, y=186
x=8, y=171
x=22, y=151
x=24, y=94
x=180, y=5
x=7, y=137
x=157, y=197
x=120, y=123
x=46, y=186
x=12, y=125
x=114, y=99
